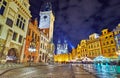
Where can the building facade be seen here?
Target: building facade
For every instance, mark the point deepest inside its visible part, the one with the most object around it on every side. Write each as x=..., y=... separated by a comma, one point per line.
x=47, y=26
x=14, y=19
x=47, y=20
x=108, y=44
x=78, y=51
x=74, y=53
x=62, y=47
x=32, y=45
x=44, y=47
x=83, y=50
x=94, y=46
x=116, y=32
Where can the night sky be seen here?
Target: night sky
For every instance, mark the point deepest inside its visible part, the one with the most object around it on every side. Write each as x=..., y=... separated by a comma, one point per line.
x=77, y=19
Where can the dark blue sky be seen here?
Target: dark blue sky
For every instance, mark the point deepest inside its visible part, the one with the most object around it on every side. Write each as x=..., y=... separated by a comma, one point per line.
x=77, y=19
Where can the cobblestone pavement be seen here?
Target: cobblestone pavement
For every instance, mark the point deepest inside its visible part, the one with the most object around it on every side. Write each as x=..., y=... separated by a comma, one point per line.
x=44, y=71
x=81, y=73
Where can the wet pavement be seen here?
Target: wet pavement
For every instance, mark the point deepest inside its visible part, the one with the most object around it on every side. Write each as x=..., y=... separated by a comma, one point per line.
x=63, y=71
x=102, y=71
x=49, y=71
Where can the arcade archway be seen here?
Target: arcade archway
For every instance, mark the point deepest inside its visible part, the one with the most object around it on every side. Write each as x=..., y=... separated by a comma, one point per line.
x=12, y=55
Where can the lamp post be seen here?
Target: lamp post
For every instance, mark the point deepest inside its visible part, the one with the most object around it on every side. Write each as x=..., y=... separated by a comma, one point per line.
x=31, y=49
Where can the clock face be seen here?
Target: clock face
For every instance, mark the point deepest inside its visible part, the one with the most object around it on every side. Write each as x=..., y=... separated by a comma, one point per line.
x=44, y=21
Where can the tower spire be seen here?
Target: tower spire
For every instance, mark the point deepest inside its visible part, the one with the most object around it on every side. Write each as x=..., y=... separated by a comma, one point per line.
x=47, y=6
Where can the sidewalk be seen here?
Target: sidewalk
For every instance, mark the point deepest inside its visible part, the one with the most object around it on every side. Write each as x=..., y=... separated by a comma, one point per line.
x=10, y=66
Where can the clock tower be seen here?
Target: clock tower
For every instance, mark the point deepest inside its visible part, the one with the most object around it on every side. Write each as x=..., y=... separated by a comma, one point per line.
x=46, y=23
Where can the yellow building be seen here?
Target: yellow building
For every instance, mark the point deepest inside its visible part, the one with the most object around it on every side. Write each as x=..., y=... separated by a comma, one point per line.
x=74, y=54
x=78, y=51
x=61, y=58
x=94, y=46
x=108, y=44
x=14, y=18
x=83, y=48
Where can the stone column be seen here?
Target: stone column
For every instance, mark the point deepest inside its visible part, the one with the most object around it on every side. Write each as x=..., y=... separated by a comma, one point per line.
x=7, y=43
x=23, y=49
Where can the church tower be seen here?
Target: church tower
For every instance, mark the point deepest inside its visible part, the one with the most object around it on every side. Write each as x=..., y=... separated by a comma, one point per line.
x=59, y=47
x=65, y=45
x=47, y=20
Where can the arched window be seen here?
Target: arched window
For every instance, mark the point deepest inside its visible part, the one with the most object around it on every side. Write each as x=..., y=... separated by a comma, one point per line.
x=111, y=41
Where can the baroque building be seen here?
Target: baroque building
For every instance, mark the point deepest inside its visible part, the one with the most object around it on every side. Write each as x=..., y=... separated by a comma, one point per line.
x=108, y=44
x=32, y=45
x=14, y=19
x=94, y=46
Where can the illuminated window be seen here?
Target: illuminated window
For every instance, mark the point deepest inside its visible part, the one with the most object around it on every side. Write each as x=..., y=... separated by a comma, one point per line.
x=108, y=50
x=111, y=41
x=110, y=36
x=107, y=43
x=91, y=46
x=97, y=45
x=113, y=49
x=106, y=37
x=2, y=7
x=14, y=36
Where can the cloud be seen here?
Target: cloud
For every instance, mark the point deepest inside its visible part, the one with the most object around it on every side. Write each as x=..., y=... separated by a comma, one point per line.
x=77, y=19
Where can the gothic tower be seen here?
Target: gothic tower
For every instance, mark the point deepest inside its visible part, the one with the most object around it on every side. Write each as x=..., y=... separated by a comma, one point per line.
x=59, y=47
x=47, y=20
x=65, y=46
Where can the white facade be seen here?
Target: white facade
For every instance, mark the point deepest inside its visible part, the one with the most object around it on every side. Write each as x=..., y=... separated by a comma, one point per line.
x=47, y=21
x=44, y=42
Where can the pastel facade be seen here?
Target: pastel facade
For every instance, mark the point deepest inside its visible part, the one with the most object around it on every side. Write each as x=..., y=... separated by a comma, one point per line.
x=14, y=19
